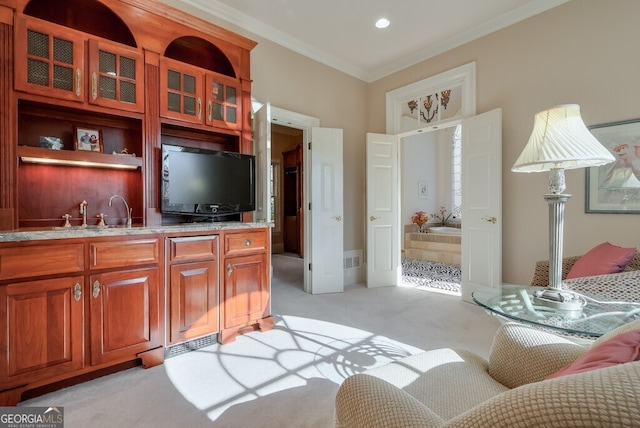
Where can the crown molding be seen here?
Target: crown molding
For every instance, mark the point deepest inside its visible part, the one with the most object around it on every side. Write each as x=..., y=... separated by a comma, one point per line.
x=250, y=25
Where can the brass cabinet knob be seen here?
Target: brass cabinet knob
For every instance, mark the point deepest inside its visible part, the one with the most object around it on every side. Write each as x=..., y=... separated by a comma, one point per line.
x=96, y=289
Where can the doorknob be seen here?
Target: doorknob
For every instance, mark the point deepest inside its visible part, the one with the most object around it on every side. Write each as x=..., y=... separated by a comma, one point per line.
x=373, y=218
x=490, y=219
x=338, y=218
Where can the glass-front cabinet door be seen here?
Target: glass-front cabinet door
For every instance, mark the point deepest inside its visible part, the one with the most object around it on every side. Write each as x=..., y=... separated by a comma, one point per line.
x=181, y=89
x=223, y=101
x=116, y=76
x=49, y=60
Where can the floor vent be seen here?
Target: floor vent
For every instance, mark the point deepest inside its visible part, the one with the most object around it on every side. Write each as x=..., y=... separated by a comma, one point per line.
x=192, y=345
x=352, y=259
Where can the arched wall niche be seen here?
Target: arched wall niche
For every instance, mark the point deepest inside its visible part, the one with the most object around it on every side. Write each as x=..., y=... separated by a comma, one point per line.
x=201, y=53
x=89, y=16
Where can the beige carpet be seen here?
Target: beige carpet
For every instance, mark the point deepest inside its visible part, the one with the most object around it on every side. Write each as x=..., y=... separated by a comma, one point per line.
x=287, y=377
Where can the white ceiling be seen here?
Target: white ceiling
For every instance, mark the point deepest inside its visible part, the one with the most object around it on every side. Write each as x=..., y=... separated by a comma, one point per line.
x=341, y=33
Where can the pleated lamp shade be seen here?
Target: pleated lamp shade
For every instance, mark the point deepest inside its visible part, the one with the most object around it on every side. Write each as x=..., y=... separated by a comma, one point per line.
x=560, y=140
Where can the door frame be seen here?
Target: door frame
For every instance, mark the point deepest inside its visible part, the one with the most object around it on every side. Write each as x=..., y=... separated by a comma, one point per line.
x=305, y=123
x=463, y=76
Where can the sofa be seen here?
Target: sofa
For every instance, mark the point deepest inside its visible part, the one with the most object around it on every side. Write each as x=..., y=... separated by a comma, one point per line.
x=457, y=388
x=541, y=273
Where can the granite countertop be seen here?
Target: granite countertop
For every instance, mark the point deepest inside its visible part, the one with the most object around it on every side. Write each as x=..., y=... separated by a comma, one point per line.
x=33, y=234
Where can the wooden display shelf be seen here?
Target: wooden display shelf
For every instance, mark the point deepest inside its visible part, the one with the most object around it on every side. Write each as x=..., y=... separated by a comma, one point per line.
x=77, y=158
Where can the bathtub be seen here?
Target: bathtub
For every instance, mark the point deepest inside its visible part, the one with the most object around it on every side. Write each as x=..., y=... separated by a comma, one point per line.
x=445, y=230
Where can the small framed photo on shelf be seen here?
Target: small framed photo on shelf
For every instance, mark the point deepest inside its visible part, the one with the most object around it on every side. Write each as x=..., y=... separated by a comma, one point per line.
x=88, y=139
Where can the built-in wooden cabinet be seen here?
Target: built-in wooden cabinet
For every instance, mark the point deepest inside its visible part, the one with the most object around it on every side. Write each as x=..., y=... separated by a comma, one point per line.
x=82, y=305
x=199, y=96
x=246, y=287
x=124, y=314
x=132, y=70
x=74, y=306
x=44, y=324
x=193, y=287
x=125, y=306
x=141, y=73
x=292, y=195
x=50, y=61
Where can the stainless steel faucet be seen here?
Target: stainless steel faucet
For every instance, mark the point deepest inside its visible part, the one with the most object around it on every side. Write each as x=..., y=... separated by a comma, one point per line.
x=83, y=211
x=126, y=205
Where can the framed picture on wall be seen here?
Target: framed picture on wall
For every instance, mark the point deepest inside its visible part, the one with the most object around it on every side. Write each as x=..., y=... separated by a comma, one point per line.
x=88, y=139
x=423, y=189
x=615, y=188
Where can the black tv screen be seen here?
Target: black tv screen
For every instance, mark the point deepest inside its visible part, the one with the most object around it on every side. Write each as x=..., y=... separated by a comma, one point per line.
x=206, y=182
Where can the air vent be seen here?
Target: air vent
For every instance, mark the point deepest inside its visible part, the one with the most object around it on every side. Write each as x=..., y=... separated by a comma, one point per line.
x=352, y=259
x=189, y=346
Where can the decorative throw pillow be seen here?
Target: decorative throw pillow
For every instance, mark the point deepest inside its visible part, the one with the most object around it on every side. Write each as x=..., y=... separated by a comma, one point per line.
x=602, y=259
x=620, y=349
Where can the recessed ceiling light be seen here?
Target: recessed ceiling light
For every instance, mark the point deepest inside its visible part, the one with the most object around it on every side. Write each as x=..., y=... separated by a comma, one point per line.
x=382, y=23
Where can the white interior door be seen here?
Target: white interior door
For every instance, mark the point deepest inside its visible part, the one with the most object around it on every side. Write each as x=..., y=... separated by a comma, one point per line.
x=481, y=202
x=383, y=206
x=326, y=212
x=262, y=150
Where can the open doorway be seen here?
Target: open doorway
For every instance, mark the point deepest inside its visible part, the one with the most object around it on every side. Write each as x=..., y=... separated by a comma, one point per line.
x=430, y=211
x=287, y=190
x=325, y=274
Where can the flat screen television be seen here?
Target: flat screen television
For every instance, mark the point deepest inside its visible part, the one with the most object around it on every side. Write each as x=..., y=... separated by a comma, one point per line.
x=202, y=182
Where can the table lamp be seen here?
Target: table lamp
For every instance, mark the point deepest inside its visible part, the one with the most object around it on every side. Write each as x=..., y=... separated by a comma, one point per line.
x=559, y=140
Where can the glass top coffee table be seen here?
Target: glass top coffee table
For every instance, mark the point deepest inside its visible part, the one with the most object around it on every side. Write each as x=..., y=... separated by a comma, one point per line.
x=517, y=303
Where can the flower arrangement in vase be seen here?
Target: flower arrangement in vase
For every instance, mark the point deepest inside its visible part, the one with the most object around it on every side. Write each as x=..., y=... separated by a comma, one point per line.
x=420, y=218
x=442, y=216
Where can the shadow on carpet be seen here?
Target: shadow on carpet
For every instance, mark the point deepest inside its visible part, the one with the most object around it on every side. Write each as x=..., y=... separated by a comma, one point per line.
x=434, y=275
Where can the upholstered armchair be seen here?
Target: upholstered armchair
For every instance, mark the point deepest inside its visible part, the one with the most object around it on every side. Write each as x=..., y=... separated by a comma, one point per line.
x=453, y=388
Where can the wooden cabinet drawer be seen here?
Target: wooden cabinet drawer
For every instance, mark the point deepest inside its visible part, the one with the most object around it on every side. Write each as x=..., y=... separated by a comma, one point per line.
x=46, y=259
x=109, y=254
x=245, y=242
x=193, y=248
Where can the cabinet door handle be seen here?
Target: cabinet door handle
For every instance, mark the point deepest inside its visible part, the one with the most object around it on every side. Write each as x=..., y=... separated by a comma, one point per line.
x=78, y=82
x=210, y=110
x=229, y=269
x=199, y=108
x=248, y=242
x=77, y=292
x=96, y=289
x=94, y=85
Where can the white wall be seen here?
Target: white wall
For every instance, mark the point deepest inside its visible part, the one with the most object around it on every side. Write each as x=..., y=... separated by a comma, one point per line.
x=426, y=156
x=584, y=52
x=419, y=163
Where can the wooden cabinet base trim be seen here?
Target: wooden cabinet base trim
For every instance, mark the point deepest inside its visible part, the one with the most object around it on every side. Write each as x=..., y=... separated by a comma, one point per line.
x=265, y=324
x=11, y=397
x=228, y=335
x=152, y=357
